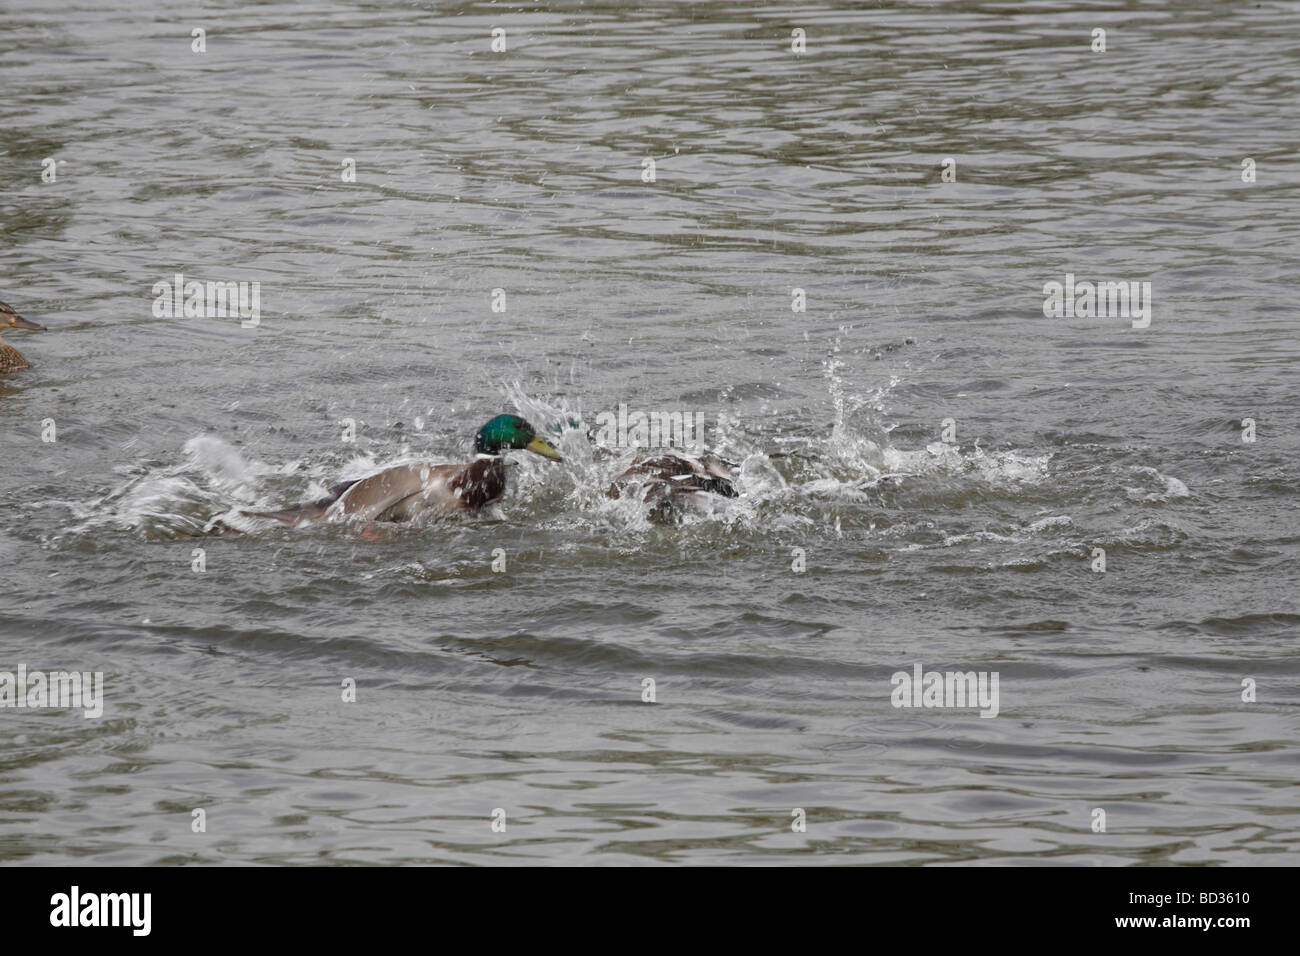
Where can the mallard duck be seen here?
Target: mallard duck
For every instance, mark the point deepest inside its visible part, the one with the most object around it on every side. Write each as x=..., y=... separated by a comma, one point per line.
x=423, y=489
x=672, y=479
x=11, y=360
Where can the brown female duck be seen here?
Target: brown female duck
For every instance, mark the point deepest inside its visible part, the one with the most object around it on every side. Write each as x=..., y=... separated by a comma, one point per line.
x=672, y=479
x=11, y=360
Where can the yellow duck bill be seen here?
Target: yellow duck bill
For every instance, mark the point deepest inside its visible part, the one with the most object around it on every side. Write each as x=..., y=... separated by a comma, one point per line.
x=540, y=446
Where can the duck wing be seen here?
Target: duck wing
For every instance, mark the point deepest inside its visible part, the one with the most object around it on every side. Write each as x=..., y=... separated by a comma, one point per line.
x=403, y=492
x=388, y=495
x=718, y=467
x=398, y=493
x=441, y=490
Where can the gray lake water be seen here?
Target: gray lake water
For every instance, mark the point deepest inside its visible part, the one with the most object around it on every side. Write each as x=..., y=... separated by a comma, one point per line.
x=966, y=546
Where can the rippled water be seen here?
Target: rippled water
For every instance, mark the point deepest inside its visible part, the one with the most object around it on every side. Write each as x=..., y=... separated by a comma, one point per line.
x=522, y=690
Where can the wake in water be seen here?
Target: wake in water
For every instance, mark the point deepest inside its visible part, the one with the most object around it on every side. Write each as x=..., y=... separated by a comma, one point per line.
x=848, y=478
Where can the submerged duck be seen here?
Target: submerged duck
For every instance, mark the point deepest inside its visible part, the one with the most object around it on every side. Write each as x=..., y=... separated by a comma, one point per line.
x=673, y=479
x=11, y=360
x=422, y=489
x=668, y=479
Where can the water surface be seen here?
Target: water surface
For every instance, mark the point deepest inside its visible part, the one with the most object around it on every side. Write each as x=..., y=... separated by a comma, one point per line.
x=522, y=690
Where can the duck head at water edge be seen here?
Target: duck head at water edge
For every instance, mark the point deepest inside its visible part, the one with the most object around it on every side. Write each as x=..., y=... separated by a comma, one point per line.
x=11, y=360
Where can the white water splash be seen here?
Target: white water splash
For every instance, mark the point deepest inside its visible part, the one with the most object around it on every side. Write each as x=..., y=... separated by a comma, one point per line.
x=1171, y=488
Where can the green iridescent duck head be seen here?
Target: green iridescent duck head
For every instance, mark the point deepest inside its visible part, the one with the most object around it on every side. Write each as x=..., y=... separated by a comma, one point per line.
x=510, y=431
